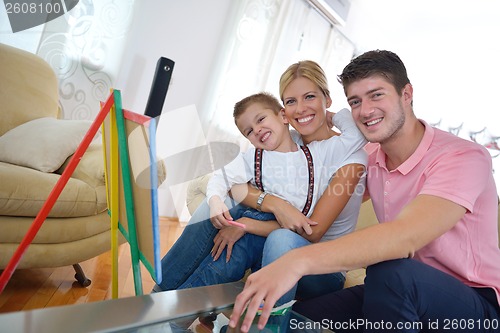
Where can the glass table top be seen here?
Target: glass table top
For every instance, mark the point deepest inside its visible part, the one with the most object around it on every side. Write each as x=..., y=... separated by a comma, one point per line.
x=195, y=310
x=217, y=322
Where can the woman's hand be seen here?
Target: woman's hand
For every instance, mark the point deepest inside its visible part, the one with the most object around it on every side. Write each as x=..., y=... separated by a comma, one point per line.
x=286, y=215
x=263, y=286
x=219, y=213
x=291, y=218
x=226, y=237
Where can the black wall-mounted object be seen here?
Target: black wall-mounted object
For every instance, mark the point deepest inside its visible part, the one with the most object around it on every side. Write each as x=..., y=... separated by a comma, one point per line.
x=159, y=88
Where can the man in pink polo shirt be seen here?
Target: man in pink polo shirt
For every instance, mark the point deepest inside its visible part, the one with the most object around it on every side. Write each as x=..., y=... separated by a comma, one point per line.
x=433, y=263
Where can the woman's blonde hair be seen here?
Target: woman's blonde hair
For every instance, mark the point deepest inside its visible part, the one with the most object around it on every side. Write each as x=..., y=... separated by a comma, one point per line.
x=308, y=69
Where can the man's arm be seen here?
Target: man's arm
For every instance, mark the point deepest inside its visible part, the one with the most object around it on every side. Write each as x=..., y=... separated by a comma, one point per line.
x=424, y=219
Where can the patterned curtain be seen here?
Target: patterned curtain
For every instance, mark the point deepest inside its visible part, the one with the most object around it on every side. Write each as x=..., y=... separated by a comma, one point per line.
x=84, y=48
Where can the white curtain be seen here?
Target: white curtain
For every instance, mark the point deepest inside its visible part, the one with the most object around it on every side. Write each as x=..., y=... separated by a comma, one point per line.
x=263, y=38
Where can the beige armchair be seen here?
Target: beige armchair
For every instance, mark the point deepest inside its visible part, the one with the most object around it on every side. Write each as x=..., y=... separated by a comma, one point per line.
x=77, y=227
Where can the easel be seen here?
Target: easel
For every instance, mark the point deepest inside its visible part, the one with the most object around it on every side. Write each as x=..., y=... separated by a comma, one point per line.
x=130, y=151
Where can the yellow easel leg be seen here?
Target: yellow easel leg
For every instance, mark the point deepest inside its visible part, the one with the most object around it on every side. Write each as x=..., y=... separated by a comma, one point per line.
x=112, y=195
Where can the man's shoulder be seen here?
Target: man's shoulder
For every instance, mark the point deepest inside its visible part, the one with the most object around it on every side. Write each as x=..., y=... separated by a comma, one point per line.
x=448, y=149
x=450, y=143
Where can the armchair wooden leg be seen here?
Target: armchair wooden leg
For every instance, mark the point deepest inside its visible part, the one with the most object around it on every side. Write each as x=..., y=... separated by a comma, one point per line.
x=80, y=276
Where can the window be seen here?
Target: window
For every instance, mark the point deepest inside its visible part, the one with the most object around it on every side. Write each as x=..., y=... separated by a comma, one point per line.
x=264, y=38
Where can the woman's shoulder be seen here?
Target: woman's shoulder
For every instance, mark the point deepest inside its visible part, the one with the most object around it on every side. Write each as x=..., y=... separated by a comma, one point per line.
x=296, y=137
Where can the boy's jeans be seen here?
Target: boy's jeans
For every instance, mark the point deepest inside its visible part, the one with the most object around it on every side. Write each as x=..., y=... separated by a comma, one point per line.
x=195, y=243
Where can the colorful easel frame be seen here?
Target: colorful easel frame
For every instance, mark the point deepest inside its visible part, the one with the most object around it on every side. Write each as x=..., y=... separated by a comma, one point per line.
x=129, y=141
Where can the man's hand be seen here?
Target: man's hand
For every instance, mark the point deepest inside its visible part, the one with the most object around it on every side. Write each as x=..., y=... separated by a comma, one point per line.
x=226, y=237
x=219, y=213
x=263, y=287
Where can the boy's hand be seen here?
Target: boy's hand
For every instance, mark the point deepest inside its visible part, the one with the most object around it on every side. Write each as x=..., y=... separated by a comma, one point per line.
x=219, y=213
x=226, y=237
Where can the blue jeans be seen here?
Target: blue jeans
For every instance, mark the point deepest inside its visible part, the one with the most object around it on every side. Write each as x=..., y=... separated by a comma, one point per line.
x=280, y=242
x=422, y=298
x=194, y=245
x=246, y=254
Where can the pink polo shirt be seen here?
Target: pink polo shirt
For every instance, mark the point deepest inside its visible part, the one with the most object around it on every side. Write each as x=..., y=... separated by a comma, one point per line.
x=455, y=169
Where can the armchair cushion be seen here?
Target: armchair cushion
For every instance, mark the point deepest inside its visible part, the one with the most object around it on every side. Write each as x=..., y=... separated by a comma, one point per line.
x=42, y=144
x=25, y=190
x=28, y=88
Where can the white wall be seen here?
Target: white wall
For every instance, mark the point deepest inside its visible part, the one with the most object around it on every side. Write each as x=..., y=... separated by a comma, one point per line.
x=451, y=50
x=187, y=32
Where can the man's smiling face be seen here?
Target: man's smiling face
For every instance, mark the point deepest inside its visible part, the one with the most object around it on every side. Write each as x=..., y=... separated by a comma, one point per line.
x=377, y=108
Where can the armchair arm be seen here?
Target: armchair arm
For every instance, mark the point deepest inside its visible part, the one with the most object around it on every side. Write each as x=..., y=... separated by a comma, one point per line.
x=90, y=169
x=197, y=192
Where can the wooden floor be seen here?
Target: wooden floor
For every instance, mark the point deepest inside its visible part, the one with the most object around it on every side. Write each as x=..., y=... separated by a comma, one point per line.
x=46, y=287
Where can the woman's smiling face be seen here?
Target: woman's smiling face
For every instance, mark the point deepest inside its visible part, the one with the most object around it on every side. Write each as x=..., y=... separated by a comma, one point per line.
x=305, y=106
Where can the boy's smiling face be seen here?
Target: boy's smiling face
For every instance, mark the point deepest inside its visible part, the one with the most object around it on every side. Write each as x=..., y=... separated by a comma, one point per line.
x=264, y=128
